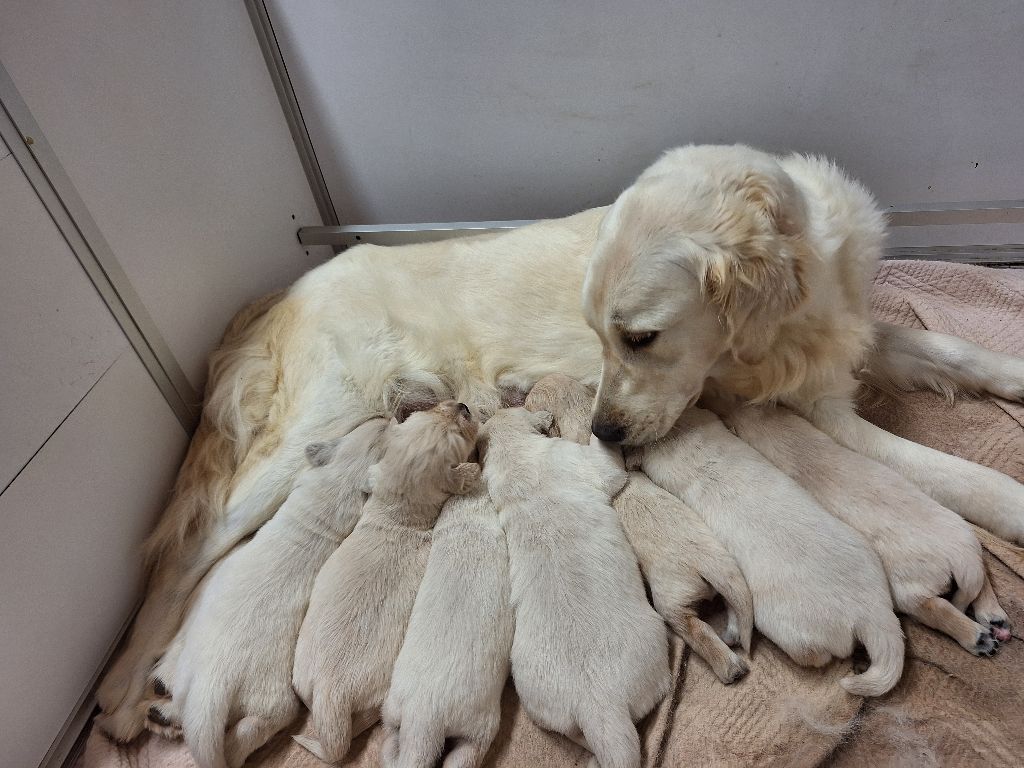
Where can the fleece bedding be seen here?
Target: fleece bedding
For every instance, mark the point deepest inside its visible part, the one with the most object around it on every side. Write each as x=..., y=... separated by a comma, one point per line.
x=950, y=709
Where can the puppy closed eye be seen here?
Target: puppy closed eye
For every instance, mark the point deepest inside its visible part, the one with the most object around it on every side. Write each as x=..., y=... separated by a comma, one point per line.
x=639, y=340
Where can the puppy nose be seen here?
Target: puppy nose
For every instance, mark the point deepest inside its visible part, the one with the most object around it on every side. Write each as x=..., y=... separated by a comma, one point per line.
x=464, y=410
x=610, y=433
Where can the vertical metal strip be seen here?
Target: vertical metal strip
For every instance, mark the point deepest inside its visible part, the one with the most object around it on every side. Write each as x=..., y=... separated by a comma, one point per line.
x=51, y=183
x=267, y=38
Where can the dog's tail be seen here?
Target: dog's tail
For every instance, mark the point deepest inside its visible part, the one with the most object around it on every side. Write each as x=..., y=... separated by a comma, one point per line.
x=331, y=715
x=883, y=639
x=612, y=736
x=204, y=720
x=720, y=570
x=240, y=389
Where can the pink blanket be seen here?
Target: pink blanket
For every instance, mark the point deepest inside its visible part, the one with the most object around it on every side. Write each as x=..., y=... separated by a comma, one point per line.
x=950, y=708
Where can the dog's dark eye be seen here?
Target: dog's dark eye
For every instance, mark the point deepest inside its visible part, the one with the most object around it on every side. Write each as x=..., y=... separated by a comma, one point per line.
x=639, y=340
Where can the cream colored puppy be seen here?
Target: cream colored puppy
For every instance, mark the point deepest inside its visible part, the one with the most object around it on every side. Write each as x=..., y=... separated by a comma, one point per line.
x=364, y=594
x=590, y=656
x=449, y=677
x=232, y=680
x=679, y=556
x=818, y=587
x=923, y=546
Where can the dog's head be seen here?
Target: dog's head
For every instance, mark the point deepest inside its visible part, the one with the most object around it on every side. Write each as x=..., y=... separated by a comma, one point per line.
x=698, y=261
x=428, y=452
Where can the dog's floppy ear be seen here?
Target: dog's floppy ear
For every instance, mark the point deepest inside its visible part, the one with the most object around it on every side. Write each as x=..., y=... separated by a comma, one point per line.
x=542, y=421
x=462, y=478
x=776, y=199
x=319, y=454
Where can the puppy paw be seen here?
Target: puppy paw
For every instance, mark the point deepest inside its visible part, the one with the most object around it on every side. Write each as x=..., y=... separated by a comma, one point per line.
x=985, y=643
x=735, y=669
x=1001, y=629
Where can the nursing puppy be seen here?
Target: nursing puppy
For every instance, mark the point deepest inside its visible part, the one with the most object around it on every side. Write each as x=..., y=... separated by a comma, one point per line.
x=233, y=666
x=817, y=585
x=364, y=594
x=923, y=546
x=589, y=656
x=450, y=674
x=679, y=556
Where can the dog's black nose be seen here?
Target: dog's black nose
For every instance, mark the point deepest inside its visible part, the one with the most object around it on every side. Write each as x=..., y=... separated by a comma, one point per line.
x=610, y=433
x=464, y=409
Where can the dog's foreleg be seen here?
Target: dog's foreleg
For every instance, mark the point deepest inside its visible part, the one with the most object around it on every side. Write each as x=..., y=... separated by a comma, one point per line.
x=979, y=494
x=910, y=358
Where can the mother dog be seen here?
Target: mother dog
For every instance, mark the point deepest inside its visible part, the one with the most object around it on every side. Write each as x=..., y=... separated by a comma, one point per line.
x=722, y=270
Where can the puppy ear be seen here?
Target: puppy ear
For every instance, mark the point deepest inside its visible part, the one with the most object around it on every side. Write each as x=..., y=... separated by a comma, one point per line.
x=319, y=454
x=462, y=478
x=542, y=421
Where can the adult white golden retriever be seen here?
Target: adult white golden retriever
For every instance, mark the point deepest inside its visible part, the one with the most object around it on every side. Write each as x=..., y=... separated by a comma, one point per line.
x=722, y=270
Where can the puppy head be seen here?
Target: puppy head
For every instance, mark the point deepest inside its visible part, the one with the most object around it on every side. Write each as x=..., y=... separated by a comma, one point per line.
x=697, y=262
x=568, y=401
x=509, y=423
x=427, y=452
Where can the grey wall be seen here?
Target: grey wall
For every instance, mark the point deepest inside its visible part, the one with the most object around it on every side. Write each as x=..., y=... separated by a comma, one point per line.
x=458, y=110
x=165, y=118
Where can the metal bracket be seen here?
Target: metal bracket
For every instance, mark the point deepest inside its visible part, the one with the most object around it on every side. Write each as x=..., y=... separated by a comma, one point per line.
x=927, y=214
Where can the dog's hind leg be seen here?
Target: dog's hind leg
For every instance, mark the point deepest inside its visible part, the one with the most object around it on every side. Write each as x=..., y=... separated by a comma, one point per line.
x=910, y=358
x=979, y=494
x=988, y=612
x=727, y=666
x=465, y=754
x=252, y=732
x=941, y=615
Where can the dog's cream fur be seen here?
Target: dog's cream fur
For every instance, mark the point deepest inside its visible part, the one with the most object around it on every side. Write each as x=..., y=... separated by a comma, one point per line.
x=922, y=545
x=679, y=556
x=754, y=268
x=817, y=585
x=589, y=656
x=232, y=682
x=448, y=679
x=363, y=596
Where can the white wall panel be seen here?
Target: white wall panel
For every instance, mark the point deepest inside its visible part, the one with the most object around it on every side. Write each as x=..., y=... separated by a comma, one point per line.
x=70, y=527
x=56, y=335
x=462, y=110
x=166, y=120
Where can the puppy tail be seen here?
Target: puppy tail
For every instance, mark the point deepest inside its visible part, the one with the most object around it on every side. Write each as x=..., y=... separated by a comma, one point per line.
x=612, y=737
x=332, y=720
x=724, y=575
x=969, y=574
x=204, y=723
x=884, y=643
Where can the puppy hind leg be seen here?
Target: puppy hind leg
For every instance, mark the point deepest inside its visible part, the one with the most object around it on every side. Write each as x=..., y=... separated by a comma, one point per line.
x=941, y=615
x=727, y=666
x=465, y=754
x=988, y=612
x=332, y=721
x=420, y=743
x=612, y=736
x=250, y=733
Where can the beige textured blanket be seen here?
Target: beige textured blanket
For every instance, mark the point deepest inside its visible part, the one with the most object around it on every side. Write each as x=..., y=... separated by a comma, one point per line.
x=951, y=709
